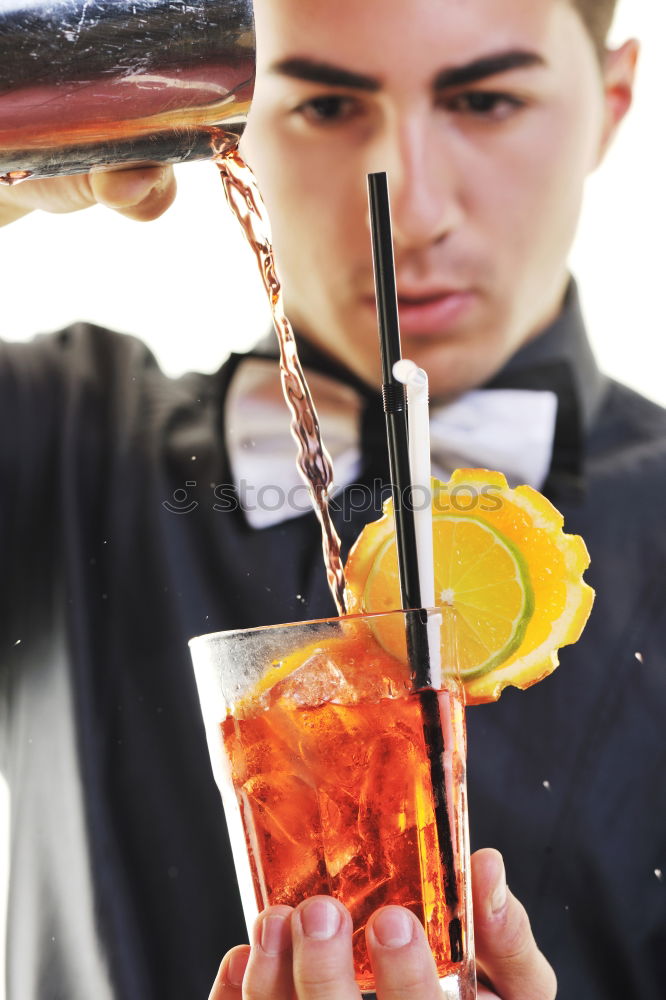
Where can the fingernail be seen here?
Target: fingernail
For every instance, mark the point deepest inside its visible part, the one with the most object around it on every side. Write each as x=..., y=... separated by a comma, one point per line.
x=320, y=919
x=499, y=893
x=275, y=934
x=236, y=968
x=393, y=927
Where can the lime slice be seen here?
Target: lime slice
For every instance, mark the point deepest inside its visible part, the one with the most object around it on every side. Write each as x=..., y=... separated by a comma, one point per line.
x=478, y=572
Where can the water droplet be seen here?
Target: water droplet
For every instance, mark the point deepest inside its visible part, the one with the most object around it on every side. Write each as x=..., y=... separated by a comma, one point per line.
x=18, y=642
x=639, y=657
x=660, y=875
x=546, y=785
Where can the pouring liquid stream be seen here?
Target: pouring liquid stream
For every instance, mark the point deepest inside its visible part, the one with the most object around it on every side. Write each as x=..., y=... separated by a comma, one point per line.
x=313, y=461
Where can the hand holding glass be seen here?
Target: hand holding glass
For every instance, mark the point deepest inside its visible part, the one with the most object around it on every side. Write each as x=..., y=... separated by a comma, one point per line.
x=338, y=778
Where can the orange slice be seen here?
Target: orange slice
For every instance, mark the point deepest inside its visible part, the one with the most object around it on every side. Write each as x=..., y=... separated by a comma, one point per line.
x=503, y=562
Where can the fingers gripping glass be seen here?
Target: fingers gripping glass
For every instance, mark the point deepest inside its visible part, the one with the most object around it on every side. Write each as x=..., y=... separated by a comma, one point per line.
x=339, y=777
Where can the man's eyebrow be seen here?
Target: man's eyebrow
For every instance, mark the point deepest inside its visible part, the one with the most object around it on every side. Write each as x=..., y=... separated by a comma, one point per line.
x=326, y=73
x=480, y=69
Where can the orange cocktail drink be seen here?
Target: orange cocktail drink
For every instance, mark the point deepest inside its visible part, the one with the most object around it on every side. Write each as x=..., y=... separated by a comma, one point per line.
x=338, y=777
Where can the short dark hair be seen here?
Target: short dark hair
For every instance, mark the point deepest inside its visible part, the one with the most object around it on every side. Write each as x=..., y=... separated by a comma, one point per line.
x=597, y=16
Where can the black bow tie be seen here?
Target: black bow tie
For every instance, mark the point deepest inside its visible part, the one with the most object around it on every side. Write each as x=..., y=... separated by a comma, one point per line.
x=511, y=430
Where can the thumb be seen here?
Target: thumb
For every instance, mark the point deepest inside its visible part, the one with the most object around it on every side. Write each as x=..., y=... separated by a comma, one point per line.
x=506, y=952
x=143, y=193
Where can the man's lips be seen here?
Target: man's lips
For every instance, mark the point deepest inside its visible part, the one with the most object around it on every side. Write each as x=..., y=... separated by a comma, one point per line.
x=428, y=313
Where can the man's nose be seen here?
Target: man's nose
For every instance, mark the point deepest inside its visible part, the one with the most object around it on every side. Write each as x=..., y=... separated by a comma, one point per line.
x=425, y=189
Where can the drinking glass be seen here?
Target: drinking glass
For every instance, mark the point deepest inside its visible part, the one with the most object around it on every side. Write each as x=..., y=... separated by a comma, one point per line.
x=340, y=775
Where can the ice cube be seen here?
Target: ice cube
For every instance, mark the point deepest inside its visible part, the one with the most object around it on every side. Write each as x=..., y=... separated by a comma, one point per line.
x=318, y=680
x=344, y=671
x=281, y=818
x=395, y=803
x=340, y=839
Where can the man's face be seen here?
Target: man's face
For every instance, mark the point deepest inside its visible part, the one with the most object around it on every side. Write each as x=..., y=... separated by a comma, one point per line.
x=488, y=116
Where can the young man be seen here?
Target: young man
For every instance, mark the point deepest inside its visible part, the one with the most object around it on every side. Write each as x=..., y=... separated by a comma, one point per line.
x=488, y=115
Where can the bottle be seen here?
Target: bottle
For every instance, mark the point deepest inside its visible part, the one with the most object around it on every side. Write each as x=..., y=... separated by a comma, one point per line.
x=88, y=84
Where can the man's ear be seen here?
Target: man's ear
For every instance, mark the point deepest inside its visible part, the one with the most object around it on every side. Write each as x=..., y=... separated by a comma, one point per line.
x=619, y=72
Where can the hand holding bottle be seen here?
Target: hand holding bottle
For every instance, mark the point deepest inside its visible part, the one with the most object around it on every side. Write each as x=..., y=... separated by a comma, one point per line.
x=142, y=193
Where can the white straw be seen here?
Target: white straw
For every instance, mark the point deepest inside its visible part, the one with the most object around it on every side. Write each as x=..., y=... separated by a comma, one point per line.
x=416, y=381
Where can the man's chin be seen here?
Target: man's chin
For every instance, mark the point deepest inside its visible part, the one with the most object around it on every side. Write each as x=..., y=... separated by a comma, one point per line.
x=452, y=365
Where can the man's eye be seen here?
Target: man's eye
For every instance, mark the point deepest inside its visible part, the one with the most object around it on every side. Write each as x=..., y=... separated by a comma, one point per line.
x=327, y=110
x=484, y=104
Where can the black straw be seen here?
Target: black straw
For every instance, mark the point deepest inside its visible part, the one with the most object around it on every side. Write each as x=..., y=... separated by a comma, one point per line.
x=395, y=409
x=393, y=391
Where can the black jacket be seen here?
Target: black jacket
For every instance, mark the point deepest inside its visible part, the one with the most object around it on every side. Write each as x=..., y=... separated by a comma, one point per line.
x=122, y=882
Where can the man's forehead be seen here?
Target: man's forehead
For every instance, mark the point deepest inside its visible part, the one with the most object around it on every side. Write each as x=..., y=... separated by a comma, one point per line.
x=379, y=39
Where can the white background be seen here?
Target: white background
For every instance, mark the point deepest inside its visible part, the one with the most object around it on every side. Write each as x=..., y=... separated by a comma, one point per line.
x=186, y=283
